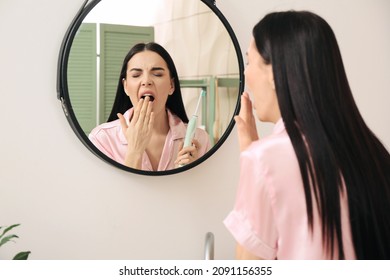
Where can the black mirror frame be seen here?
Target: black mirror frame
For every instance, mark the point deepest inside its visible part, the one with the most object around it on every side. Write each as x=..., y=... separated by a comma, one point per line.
x=63, y=92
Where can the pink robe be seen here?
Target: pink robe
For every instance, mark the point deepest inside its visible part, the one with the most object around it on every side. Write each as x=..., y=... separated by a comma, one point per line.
x=269, y=217
x=110, y=140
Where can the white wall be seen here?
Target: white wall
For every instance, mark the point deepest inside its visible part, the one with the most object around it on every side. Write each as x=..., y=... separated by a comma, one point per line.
x=74, y=206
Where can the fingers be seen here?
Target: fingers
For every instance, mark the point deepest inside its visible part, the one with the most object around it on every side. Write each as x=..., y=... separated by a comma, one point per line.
x=245, y=116
x=122, y=121
x=238, y=120
x=195, y=143
x=246, y=107
x=246, y=124
x=142, y=113
x=193, y=149
x=181, y=146
x=184, y=159
x=138, y=131
x=146, y=110
x=188, y=154
x=151, y=121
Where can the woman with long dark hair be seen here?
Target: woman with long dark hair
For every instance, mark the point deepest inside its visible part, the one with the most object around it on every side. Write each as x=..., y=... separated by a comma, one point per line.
x=147, y=124
x=319, y=186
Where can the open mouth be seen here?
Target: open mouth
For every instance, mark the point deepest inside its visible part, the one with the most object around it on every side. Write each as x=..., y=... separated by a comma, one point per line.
x=151, y=98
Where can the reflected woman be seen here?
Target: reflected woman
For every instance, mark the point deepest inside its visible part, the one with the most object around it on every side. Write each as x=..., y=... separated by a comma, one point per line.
x=147, y=124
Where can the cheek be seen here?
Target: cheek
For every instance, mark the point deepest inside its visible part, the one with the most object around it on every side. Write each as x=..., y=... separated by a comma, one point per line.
x=163, y=87
x=248, y=77
x=265, y=101
x=131, y=88
x=260, y=95
x=131, y=92
x=253, y=79
x=260, y=105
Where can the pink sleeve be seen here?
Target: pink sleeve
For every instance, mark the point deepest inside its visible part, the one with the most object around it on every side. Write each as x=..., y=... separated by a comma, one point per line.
x=251, y=222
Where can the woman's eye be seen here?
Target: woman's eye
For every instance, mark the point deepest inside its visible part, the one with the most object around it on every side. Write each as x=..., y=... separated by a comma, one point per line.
x=158, y=74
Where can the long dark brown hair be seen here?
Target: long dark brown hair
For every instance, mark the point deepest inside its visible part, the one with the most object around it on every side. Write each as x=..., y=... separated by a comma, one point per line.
x=174, y=102
x=330, y=138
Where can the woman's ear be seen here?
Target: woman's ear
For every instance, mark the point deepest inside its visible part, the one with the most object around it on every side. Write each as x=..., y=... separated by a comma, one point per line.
x=124, y=85
x=273, y=84
x=271, y=77
x=172, y=86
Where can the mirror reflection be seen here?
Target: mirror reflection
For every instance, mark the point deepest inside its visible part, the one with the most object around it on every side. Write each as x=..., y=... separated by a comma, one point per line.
x=208, y=78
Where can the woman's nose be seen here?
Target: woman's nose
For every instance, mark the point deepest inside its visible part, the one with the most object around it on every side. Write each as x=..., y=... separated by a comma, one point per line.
x=146, y=81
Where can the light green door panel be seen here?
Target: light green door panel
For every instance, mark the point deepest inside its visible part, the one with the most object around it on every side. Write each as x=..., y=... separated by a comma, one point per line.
x=82, y=76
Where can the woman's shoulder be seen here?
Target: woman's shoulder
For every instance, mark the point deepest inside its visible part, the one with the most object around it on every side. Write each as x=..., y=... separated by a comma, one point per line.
x=112, y=127
x=274, y=148
x=105, y=127
x=106, y=132
x=204, y=138
x=200, y=132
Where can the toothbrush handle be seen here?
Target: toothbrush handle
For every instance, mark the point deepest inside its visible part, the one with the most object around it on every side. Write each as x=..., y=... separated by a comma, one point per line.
x=190, y=132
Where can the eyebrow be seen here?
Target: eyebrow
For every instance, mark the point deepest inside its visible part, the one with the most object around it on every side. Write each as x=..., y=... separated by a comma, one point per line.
x=153, y=69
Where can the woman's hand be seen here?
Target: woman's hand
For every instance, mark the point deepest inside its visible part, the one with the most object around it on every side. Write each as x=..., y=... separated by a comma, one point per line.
x=188, y=154
x=138, y=133
x=246, y=124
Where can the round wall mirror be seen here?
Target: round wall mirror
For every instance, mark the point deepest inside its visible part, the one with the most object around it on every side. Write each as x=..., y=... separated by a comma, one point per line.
x=199, y=40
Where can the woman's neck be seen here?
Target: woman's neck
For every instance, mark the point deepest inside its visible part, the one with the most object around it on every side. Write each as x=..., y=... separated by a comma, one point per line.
x=161, y=123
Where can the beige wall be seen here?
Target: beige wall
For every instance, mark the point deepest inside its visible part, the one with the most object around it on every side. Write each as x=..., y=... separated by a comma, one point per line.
x=74, y=206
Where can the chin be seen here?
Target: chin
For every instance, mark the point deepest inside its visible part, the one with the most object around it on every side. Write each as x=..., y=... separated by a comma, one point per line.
x=261, y=117
x=264, y=118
